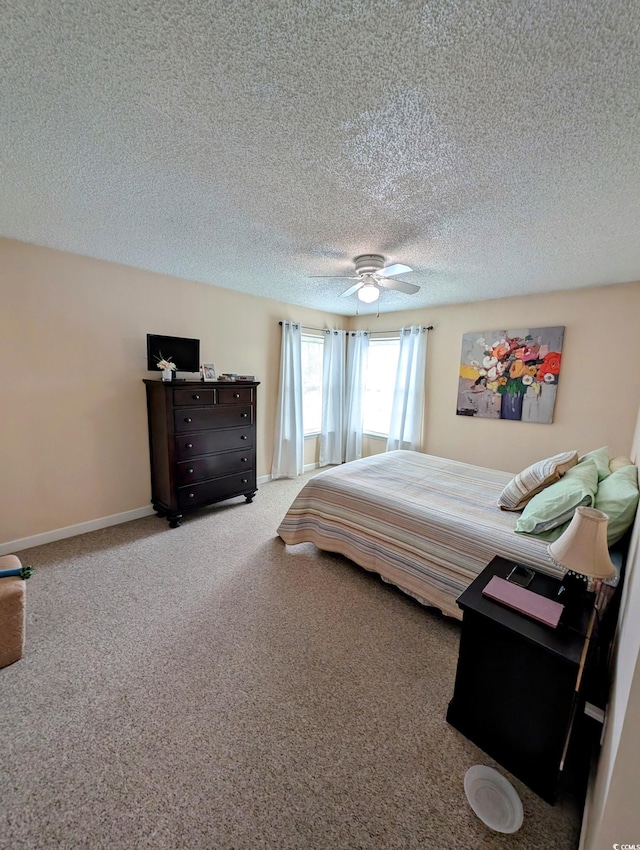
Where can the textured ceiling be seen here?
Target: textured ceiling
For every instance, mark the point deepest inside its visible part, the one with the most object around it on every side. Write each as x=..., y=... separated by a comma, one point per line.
x=492, y=146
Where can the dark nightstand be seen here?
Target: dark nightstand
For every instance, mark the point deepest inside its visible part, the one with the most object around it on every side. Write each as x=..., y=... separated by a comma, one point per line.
x=518, y=682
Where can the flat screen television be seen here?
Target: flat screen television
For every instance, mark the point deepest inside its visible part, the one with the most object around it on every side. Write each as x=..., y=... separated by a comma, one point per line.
x=185, y=353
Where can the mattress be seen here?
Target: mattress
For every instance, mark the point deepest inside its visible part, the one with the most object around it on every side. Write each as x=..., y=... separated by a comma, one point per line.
x=426, y=524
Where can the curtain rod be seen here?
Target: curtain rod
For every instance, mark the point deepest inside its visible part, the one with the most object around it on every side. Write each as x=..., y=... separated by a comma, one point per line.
x=322, y=330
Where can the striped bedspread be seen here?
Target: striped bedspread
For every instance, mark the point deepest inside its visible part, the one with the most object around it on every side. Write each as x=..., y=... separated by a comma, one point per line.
x=426, y=524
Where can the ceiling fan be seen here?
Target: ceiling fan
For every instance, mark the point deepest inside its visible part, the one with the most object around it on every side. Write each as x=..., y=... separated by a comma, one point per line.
x=372, y=276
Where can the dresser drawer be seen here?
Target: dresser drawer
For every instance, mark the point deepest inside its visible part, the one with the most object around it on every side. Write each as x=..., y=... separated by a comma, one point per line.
x=198, y=398
x=235, y=395
x=210, y=465
x=217, y=489
x=206, y=442
x=216, y=416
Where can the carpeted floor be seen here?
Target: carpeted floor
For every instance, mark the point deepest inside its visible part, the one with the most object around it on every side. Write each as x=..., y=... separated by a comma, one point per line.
x=208, y=687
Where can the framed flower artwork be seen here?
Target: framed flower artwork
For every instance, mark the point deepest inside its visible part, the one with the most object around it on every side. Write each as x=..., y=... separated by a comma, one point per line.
x=510, y=374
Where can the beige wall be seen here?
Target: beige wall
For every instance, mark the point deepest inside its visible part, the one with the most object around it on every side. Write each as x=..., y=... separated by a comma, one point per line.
x=73, y=345
x=598, y=396
x=611, y=813
x=72, y=338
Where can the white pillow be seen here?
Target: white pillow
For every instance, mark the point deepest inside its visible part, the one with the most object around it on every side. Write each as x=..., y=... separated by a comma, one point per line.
x=618, y=462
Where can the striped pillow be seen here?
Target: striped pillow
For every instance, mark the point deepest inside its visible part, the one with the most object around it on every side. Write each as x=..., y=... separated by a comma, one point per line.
x=535, y=478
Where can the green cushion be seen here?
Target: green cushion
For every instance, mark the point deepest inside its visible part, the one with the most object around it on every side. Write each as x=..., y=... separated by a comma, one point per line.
x=555, y=505
x=601, y=457
x=554, y=533
x=618, y=497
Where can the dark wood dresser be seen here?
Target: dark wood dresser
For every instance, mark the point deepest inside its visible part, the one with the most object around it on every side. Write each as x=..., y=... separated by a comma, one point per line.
x=202, y=444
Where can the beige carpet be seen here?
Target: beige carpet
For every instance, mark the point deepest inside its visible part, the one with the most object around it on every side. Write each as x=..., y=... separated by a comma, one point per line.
x=208, y=687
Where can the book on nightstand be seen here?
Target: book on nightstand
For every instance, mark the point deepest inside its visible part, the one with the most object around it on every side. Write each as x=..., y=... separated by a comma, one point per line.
x=524, y=601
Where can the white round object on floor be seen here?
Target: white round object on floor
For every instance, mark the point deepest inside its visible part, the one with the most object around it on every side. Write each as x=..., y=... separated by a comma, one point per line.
x=493, y=798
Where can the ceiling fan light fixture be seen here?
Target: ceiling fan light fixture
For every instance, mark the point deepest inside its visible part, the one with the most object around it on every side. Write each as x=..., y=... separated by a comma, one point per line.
x=368, y=293
x=372, y=276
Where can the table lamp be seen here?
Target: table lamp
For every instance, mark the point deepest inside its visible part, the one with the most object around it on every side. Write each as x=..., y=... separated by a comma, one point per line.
x=582, y=551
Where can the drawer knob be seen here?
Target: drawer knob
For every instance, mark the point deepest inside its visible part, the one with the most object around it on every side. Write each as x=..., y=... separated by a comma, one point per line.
x=188, y=445
x=192, y=495
x=244, y=415
x=236, y=395
x=244, y=437
x=195, y=396
x=245, y=481
x=188, y=419
x=190, y=471
x=244, y=459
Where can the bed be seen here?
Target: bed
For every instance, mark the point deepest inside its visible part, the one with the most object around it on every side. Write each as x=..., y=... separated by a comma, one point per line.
x=426, y=524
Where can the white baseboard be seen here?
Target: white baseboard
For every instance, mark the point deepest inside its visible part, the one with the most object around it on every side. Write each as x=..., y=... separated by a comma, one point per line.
x=308, y=467
x=93, y=525
x=73, y=530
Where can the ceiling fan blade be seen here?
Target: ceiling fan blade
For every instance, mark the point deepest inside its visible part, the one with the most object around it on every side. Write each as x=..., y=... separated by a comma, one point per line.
x=396, y=268
x=335, y=276
x=351, y=290
x=400, y=285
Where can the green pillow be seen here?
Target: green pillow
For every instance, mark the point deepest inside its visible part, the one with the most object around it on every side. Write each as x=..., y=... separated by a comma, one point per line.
x=553, y=534
x=601, y=457
x=556, y=504
x=618, y=497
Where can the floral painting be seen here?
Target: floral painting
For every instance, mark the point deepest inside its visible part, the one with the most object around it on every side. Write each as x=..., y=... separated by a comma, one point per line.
x=510, y=374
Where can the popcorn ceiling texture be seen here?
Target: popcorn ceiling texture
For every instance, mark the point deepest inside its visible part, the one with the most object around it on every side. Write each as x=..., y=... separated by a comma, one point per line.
x=492, y=146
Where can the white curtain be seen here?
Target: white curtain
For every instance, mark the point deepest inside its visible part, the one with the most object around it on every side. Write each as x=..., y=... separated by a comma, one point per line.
x=332, y=428
x=405, y=430
x=288, y=453
x=357, y=354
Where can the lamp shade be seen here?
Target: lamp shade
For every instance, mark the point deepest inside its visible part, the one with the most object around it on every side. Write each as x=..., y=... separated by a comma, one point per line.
x=369, y=293
x=583, y=546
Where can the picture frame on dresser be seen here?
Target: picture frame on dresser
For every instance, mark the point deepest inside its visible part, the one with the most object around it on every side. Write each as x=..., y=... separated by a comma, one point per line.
x=208, y=372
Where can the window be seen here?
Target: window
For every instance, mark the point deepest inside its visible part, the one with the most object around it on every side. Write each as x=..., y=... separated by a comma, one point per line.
x=312, y=354
x=379, y=385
